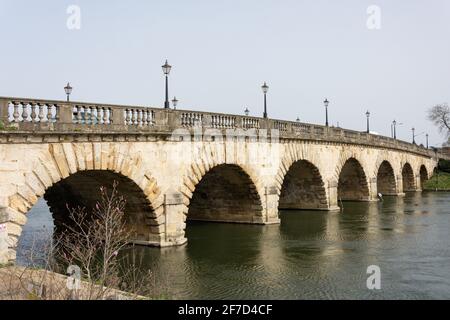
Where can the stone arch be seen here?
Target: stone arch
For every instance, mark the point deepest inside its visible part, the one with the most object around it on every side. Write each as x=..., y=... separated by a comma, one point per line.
x=82, y=189
x=386, y=181
x=423, y=173
x=302, y=154
x=210, y=156
x=409, y=184
x=303, y=188
x=352, y=181
x=225, y=193
x=63, y=166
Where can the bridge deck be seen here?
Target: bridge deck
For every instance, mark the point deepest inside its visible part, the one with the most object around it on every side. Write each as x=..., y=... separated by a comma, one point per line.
x=24, y=116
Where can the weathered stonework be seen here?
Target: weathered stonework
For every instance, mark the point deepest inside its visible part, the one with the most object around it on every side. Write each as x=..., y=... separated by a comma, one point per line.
x=177, y=166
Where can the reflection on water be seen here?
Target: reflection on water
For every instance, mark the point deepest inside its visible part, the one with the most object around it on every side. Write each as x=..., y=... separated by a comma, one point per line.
x=311, y=255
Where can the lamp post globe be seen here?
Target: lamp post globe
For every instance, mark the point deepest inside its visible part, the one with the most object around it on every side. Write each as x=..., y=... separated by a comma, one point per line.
x=175, y=102
x=68, y=89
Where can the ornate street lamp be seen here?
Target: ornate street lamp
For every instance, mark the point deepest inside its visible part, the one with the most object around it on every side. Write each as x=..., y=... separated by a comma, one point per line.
x=298, y=119
x=68, y=90
x=394, y=128
x=175, y=103
x=368, y=121
x=326, y=103
x=166, y=69
x=265, y=89
x=247, y=112
x=414, y=135
x=427, y=136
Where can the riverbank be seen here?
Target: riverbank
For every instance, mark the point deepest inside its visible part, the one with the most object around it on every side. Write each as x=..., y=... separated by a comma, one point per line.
x=439, y=182
x=18, y=283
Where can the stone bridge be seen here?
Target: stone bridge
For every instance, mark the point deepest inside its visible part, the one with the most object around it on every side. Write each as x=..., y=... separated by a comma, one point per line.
x=175, y=165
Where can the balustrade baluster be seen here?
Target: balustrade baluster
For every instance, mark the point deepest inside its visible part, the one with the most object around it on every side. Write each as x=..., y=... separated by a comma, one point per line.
x=140, y=117
x=25, y=112
x=144, y=117
x=100, y=115
x=87, y=115
x=41, y=112
x=149, y=118
x=57, y=113
x=93, y=117
x=33, y=112
x=79, y=115
x=128, y=117
x=49, y=113
x=152, y=118
x=16, y=113
x=133, y=117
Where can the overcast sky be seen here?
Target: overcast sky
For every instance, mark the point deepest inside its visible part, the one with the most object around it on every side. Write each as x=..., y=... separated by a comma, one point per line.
x=223, y=50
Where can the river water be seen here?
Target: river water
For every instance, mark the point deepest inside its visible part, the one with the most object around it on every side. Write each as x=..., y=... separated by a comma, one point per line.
x=311, y=255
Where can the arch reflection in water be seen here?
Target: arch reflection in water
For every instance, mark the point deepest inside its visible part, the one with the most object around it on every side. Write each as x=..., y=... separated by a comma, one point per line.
x=315, y=255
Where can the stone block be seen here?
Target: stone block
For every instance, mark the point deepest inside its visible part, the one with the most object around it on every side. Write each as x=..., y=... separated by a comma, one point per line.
x=173, y=198
x=13, y=229
x=10, y=215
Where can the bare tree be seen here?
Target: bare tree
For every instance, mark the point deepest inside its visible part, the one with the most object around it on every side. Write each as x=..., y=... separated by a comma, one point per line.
x=440, y=116
x=97, y=245
x=93, y=241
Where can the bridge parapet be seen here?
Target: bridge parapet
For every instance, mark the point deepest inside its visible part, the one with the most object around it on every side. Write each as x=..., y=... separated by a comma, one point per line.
x=22, y=115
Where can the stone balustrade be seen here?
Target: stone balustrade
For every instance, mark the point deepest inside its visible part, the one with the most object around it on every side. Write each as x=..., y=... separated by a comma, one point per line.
x=21, y=115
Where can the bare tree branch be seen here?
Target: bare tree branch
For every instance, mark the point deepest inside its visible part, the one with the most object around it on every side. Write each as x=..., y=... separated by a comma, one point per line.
x=440, y=116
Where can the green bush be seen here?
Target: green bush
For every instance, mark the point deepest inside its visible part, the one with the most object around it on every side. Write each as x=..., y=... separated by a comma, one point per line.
x=440, y=181
x=444, y=165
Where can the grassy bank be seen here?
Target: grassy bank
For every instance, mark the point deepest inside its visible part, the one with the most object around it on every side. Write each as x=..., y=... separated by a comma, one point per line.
x=440, y=181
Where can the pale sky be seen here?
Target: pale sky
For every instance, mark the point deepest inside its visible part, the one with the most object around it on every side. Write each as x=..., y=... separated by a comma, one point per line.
x=223, y=50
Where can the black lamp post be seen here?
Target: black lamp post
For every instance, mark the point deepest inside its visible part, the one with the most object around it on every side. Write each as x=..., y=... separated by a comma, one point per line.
x=68, y=90
x=368, y=121
x=166, y=69
x=175, y=102
x=394, y=129
x=298, y=119
x=265, y=89
x=427, y=140
x=326, y=103
x=414, y=135
x=246, y=112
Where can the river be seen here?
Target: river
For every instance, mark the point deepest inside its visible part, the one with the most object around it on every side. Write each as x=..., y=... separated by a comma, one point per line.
x=311, y=255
